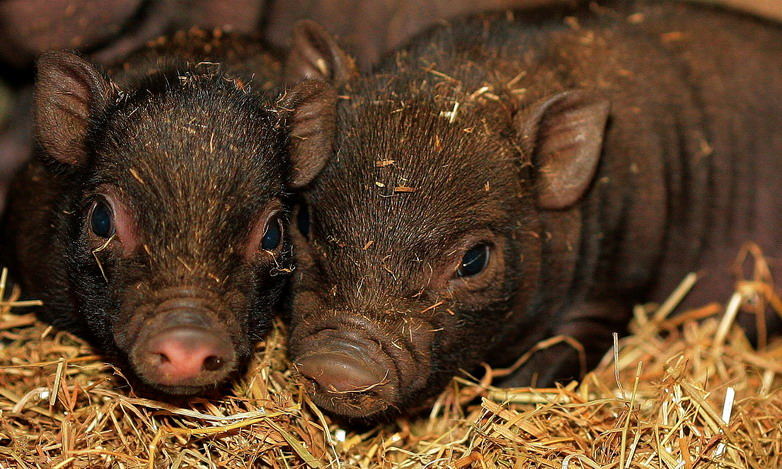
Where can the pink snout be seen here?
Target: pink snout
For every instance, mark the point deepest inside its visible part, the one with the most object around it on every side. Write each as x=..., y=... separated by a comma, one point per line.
x=185, y=356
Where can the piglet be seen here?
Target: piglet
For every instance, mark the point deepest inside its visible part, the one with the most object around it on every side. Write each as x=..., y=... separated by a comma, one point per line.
x=503, y=181
x=153, y=218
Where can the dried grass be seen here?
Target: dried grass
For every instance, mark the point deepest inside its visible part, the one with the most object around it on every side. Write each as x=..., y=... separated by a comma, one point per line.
x=685, y=391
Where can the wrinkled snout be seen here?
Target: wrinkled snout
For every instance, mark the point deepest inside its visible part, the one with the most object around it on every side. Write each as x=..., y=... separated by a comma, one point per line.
x=355, y=368
x=347, y=374
x=343, y=369
x=182, y=349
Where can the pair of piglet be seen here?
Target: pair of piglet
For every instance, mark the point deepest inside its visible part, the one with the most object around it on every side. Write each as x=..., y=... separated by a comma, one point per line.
x=505, y=180
x=153, y=217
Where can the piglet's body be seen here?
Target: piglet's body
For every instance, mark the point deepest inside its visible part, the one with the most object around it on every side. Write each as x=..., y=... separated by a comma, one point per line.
x=504, y=181
x=152, y=219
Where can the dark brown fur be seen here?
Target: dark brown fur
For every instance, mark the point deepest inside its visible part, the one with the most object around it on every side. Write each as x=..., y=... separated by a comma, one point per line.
x=108, y=30
x=686, y=175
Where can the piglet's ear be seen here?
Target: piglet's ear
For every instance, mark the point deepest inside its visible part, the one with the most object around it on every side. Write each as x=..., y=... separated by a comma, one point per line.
x=312, y=105
x=314, y=54
x=68, y=90
x=564, y=135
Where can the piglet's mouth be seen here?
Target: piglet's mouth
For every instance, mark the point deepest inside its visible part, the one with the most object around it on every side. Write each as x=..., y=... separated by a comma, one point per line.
x=355, y=370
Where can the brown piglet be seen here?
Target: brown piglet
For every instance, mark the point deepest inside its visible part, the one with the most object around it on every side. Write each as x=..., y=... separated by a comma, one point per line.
x=506, y=180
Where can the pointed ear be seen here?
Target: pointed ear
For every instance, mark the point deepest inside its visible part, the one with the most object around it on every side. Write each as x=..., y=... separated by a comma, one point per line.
x=312, y=105
x=68, y=90
x=314, y=54
x=564, y=135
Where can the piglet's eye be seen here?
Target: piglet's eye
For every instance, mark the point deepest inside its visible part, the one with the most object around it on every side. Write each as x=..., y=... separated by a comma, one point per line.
x=474, y=261
x=101, y=219
x=273, y=234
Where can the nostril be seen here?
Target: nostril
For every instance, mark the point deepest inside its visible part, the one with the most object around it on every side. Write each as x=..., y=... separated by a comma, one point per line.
x=315, y=384
x=212, y=363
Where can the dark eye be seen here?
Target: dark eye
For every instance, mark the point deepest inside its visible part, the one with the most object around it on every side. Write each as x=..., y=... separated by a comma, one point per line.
x=474, y=261
x=102, y=219
x=273, y=235
x=303, y=219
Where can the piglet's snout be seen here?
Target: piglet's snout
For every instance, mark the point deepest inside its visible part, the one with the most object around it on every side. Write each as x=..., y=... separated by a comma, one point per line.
x=347, y=372
x=184, y=354
x=343, y=368
x=183, y=348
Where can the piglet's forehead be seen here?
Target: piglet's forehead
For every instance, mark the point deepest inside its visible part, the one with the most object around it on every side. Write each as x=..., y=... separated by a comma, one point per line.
x=192, y=165
x=215, y=143
x=401, y=189
x=207, y=128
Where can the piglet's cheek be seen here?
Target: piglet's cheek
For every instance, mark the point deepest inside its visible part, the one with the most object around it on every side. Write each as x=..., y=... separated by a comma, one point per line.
x=125, y=228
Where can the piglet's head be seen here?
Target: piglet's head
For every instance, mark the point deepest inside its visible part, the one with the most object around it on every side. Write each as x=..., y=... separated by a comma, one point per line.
x=174, y=196
x=420, y=246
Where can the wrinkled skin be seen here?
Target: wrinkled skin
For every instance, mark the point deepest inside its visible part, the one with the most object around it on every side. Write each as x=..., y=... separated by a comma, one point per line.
x=593, y=161
x=153, y=218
